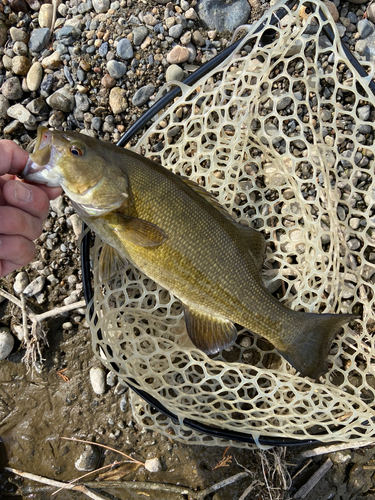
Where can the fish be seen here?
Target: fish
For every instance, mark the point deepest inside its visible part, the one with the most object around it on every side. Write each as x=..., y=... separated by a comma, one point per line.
x=181, y=237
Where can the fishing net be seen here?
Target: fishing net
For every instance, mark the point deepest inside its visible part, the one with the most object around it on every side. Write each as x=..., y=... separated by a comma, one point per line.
x=282, y=134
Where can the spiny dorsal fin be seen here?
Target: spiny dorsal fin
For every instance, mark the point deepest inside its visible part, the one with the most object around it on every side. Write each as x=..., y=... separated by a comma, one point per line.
x=209, y=333
x=137, y=231
x=111, y=262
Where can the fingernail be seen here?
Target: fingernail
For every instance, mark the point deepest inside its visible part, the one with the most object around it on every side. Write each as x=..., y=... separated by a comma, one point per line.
x=22, y=192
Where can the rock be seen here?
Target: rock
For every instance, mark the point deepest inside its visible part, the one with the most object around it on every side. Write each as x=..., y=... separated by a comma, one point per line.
x=198, y=39
x=143, y=95
x=363, y=112
x=178, y=55
x=20, y=48
x=116, y=69
x=58, y=206
x=223, y=16
x=68, y=35
x=88, y=460
x=108, y=81
x=21, y=114
x=100, y=5
x=175, y=31
x=20, y=283
x=174, y=72
x=370, y=12
x=4, y=105
x=139, y=34
x=3, y=33
x=18, y=35
x=20, y=65
x=62, y=100
x=39, y=39
x=76, y=222
x=82, y=102
x=6, y=342
x=186, y=38
x=36, y=286
x=150, y=20
x=281, y=101
x=11, y=89
x=96, y=123
x=52, y=62
x=11, y=127
x=84, y=7
x=117, y=100
x=332, y=10
x=124, y=49
x=153, y=465
x=358, y=2
x=45, y=15
x=365, y=28
x=103, y=49
x=7, y=62
x=98, y=379
x=37, y=106
x=46, y=85
x=190, y=14
x=192, y=53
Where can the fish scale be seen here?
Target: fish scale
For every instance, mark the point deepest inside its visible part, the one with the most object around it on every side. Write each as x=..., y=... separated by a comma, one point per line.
x=179, y=236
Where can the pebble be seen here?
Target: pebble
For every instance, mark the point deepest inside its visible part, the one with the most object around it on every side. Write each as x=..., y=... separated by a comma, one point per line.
x=365, y=28
x=20, y=283
x=39, y=39
x=117, y=100
x=124, y=49
x=88, y=460
x=153, y=464
x=178, y=55
x=20, y=48
x=221, y=16
x=6, y=342
x=100, y=5
x=76, y=223
x=108, y=81
x=143, y=95
x=332, y=10
x=52, y=62
x=82, y=102
x=116, y=69
x=98, y=379
x=370, y=12
x=139, y=34
x=174, y=72
x=175, y=31
x=11, y=89
x=20, y=65
x=62, y=100
x=18, y=35
x=363, y=112
x=3, y=33
x=45, y=15
x=4, y=105
x=198, y=39
x=58, y=205
x=36, y=286
x=20, y=113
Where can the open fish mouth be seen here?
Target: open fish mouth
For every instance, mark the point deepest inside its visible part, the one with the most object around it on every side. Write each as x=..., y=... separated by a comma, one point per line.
x=40, y=166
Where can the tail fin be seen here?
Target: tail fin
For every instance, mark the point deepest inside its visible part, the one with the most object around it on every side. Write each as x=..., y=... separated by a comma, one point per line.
x=312, y=340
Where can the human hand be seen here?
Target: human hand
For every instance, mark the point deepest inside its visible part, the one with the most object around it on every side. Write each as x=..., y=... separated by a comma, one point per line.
x=23, y=208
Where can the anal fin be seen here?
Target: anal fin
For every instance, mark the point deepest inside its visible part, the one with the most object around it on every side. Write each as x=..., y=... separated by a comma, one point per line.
x=110, y=263
x=210, y=334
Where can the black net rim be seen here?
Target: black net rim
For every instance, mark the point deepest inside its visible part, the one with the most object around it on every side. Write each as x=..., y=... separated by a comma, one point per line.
x=217, y=432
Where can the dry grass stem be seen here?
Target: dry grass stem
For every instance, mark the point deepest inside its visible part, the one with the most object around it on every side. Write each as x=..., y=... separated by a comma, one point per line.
x=321, y=450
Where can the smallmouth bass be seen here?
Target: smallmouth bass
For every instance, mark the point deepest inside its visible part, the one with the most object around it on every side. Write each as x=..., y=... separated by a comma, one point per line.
x=178, y=235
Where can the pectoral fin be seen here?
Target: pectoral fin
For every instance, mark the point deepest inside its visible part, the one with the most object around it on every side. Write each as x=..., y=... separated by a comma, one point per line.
x=137, y=231
x=110, y=263
x=209, y=333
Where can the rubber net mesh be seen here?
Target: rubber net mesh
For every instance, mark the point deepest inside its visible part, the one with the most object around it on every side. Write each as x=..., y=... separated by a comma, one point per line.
x=283, y=136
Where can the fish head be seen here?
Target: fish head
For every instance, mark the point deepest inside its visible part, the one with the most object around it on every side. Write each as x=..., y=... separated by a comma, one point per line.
x=77, y=163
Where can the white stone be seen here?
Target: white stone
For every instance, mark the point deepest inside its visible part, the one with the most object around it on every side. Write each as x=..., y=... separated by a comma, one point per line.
x=98, y=379
x=153, y=465
x=20, y=283
x=6, y=342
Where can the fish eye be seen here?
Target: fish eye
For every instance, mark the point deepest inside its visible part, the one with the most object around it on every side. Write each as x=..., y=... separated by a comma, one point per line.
x=75, y=150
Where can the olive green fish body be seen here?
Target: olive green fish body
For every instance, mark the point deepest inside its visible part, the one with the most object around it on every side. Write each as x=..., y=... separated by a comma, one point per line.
x=179, y=236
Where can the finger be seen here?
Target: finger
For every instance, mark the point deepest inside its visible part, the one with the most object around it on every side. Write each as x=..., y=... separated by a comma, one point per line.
x=15, y=252
x=12, y=158
x=51, y=192
x=27, y=197
x=14, y=221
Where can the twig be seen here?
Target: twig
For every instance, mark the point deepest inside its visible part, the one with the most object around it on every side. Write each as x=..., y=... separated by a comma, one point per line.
x=131, y=485
x=51, y=482
x=321, y=450
x=262, y=460
x=303, y=468
x=58, y=310
x=314, y=479
x=250, y=488
x=11, y=297
x=24, y=316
